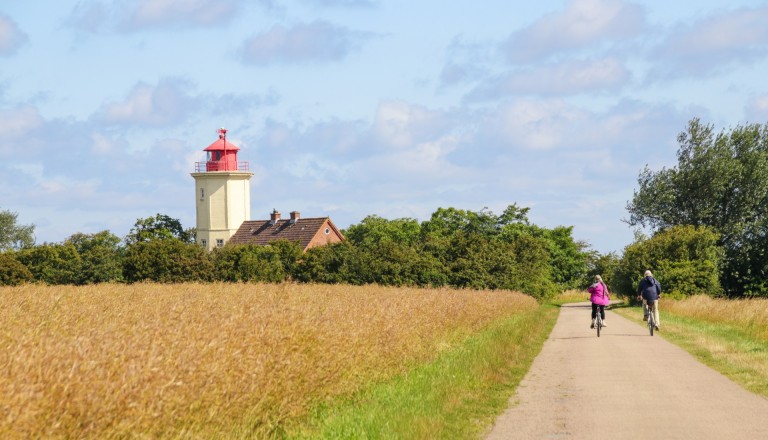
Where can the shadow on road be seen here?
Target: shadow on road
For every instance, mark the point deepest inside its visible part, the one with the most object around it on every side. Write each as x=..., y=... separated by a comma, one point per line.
x=604, y=335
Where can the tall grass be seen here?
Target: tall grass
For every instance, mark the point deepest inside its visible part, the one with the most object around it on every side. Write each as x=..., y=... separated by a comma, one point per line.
x=202, y=360
x=570, y=296
x=748, y=315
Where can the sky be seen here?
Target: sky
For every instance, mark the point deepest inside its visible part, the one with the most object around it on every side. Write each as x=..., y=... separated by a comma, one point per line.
x=351, y=108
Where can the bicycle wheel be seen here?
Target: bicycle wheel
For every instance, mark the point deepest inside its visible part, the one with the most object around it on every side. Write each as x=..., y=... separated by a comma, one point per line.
x=651, y=322
x=598, y=325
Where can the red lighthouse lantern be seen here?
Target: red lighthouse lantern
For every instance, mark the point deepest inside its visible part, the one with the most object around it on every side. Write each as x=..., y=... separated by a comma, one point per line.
x=222, y=156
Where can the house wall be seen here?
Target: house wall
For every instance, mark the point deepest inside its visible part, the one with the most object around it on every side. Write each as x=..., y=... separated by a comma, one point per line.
x=323, y=238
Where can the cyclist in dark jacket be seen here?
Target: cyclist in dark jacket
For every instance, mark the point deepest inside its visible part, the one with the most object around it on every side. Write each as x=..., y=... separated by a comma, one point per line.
x=649, y=290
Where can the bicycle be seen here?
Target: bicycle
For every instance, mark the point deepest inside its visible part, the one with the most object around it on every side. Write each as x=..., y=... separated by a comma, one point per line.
x=651, y=317
x=598, y=322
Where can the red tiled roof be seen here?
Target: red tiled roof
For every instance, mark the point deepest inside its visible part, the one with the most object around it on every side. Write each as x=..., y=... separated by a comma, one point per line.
x=262, y=232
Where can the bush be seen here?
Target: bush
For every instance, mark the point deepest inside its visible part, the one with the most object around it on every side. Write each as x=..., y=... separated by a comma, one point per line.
x=52, y=263
x=101, y=257
x=273, y=263
x=167, y=261
x=328, y=264
x=685, y=260
x=12, y=272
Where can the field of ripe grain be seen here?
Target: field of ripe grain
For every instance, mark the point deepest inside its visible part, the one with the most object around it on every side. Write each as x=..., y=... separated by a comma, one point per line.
x=209, y=360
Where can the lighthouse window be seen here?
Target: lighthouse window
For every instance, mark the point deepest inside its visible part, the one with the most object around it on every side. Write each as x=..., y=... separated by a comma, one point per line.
x=218, y=155
x=202, y=193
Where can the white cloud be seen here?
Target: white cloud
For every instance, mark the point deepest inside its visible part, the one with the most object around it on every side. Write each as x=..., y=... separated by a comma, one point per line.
x=89, y=16
x=101, y=144
x=757, y=109
x=161, y=13
x=46, y=185
x=713, y=44
x=566, y=78
x=583, y=23
x=343, y=3
x=318, y=41
x=424, y=165
x=11, y=37
x=399, y=124
x=16, y=124
x=535, y=124
x=165, y=104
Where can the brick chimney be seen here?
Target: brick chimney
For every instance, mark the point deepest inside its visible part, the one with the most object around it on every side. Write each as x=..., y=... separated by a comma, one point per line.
x=274, y=216
x=295, y=216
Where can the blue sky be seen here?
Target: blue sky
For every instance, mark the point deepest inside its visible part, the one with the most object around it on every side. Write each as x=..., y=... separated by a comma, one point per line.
x=347, y=108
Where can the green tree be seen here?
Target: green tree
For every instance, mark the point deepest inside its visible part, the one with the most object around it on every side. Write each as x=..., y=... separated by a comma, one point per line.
x=483, y=250
x=167, y=261
x=605, y=265
x=159, y=227
x=100, y=255
x=330, y=264
x=532, y=268
x=272, y=263
x=374, y=230
x=720, y=181
x=13, y=235
x=52, y=263
x=567, y=258
x=389, y=252
x=685, y=259
x=449, y=221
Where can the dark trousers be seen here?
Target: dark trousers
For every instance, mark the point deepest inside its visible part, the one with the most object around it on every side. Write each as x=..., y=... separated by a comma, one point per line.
x=595, y=308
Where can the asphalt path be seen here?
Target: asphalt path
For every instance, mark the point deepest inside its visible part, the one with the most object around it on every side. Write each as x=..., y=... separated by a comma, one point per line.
x=625, y=385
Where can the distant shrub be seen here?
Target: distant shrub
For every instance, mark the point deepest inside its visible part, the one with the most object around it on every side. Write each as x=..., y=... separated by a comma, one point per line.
x=167, y=261
x=12, y=272
x=52, y=263
x=253, y=263
x=685, y=260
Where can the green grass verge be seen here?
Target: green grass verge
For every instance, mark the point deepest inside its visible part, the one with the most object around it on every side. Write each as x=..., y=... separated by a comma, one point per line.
x=457, y=396
x=726, y=348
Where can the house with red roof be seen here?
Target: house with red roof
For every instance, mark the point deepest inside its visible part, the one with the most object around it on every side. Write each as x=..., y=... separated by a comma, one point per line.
x=308, y=232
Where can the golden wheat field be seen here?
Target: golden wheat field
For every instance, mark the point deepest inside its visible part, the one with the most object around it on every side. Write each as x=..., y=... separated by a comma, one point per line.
x=212, y=360
x=751, y=315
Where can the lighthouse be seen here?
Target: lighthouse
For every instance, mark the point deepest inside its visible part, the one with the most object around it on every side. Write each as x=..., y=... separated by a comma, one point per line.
x=222, y=193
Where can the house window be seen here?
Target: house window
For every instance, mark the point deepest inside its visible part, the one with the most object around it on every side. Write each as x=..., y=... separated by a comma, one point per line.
x=219, y=242
x=204, y=242
x=327, y=231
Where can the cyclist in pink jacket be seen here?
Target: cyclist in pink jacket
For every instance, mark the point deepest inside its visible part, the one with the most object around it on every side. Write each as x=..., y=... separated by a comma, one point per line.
x=600, y=297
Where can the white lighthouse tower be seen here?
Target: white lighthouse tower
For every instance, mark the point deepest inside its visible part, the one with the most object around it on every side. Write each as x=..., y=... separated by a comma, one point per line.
x=222, y=193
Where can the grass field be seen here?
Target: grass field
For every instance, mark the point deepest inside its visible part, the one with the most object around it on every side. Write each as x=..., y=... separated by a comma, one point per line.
x=731, y=336
x=571, y=296
x=225, y=360
x=457, y=396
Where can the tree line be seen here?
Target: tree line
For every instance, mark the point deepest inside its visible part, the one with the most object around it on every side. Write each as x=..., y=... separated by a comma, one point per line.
x=456, y=248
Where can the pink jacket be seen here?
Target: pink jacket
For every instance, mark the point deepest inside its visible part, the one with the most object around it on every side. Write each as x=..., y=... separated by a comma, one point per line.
x=597, y=296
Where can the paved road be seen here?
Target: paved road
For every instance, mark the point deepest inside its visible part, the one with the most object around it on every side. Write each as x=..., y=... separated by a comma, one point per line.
x=625, y=385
